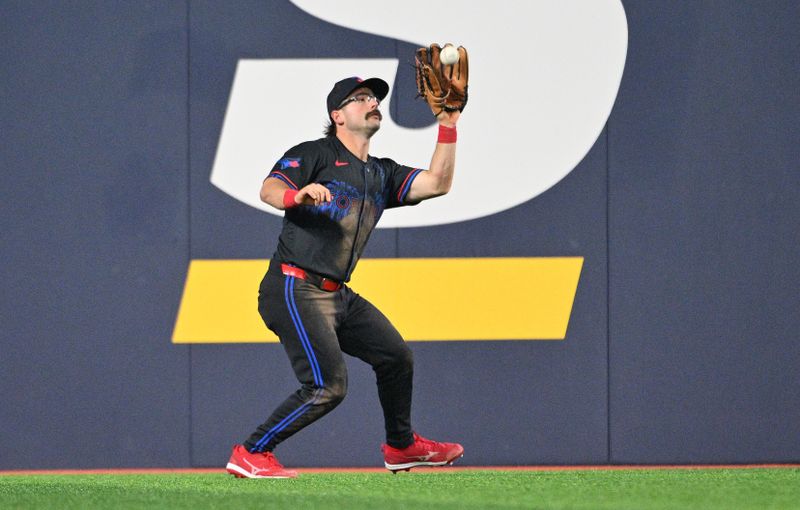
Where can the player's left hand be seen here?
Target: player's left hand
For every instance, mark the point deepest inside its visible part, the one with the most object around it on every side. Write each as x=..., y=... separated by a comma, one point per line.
x=443, y=86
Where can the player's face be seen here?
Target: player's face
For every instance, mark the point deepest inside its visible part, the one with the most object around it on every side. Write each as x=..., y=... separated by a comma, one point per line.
x=361, y=113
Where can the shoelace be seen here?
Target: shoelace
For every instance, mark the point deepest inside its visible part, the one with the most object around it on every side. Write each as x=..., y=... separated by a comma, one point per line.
x=425, y=443
x=270, y=458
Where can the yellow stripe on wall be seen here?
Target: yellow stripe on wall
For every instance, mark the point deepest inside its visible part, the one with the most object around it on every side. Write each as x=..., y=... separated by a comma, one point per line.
x=426, y=299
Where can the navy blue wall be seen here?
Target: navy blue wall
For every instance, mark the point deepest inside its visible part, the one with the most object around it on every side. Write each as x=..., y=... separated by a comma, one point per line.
x=704, y=248
x=681, y=345
x=95, y=239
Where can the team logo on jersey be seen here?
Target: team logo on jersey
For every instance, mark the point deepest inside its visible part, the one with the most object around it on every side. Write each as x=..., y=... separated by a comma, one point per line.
x=289, y=163
x=342, y=195
x=342, y=202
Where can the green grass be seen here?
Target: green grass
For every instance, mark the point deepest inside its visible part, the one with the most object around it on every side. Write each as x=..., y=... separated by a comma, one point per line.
x=729, y=489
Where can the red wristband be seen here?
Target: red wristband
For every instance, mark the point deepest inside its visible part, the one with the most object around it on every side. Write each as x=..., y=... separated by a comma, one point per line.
x=447, y=134
x=288, y=199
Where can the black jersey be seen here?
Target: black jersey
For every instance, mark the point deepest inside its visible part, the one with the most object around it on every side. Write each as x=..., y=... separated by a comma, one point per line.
x=328, y=239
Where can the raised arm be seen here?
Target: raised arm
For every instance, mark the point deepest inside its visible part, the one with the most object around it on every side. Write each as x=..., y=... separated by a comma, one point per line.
x=437, y=180
x=443, y=83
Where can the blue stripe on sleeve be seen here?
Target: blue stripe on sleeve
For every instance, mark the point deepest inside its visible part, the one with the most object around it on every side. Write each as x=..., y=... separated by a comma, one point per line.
x=280, y=176
x=408, y=184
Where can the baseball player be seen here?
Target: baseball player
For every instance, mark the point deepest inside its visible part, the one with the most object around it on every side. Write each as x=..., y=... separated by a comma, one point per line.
x=333, y=193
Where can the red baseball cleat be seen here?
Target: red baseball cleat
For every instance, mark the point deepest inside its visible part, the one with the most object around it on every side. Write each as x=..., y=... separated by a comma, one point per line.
x=423, y=452
x=244, y=464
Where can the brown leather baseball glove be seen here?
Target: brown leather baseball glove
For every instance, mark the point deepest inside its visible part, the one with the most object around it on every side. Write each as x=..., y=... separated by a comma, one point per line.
x=444, y=87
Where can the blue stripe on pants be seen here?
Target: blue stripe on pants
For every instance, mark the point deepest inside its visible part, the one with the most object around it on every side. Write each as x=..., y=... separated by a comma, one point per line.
x=315, y=369
x=301, y=331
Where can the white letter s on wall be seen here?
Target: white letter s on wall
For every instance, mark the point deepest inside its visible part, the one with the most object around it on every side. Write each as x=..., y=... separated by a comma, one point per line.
x=543, y=79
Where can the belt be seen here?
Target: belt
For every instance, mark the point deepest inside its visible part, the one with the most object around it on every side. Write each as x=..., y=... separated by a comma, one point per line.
x=314, y=279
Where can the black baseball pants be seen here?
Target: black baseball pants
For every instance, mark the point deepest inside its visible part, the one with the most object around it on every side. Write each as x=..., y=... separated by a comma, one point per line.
x=315, y=327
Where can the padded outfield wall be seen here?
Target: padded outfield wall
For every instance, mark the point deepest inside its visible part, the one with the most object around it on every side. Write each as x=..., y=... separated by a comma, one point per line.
x=679, y=343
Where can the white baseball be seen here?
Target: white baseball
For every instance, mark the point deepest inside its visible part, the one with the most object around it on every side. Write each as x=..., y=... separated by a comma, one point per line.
x=448, y=55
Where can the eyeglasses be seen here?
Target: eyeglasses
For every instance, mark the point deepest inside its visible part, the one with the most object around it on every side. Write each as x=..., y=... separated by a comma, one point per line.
x=360, y=98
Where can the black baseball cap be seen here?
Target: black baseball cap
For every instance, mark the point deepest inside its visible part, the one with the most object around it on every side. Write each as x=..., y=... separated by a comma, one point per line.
x=344, y=88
